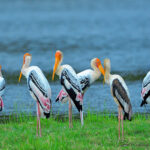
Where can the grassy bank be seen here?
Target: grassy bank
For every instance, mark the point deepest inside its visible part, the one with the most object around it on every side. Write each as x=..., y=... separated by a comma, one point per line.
x=98, y=132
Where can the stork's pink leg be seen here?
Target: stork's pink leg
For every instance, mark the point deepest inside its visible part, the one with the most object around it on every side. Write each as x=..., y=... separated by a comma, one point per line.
x=40, y=127
x=119, y=122
x=37, y=127
x=122, y=125
x=37, y=121
x=81, y=117
x=70, y=114
x=39, y=118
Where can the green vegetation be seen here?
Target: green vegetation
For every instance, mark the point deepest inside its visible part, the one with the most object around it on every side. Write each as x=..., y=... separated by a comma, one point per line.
x=12, y=77
x=99, y=132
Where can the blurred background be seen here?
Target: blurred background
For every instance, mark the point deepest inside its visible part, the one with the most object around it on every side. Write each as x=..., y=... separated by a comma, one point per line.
x=82, y=29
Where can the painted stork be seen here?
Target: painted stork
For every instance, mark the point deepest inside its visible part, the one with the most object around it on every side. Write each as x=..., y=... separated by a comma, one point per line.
x=71, y=85
x=120, y=94
x=145, y=93
x=39, y=89
x=2, y=89
x=86, y=78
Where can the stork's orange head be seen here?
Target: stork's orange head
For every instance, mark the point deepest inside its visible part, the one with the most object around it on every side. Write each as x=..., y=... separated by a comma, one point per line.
x=58, y=55
x=98, y=62
x=58, y=59
x=24, y=58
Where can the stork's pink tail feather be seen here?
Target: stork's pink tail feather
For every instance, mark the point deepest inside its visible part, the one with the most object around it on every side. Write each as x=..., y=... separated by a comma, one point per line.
x=1, y=104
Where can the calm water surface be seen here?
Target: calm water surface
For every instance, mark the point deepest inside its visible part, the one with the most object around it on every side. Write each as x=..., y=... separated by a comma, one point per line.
x=96, y=99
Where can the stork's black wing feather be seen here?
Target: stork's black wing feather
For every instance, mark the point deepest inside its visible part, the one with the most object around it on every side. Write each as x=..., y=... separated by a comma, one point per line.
x=122, y=97
x=35, y=82
x=72, y=86
x=119, y=91
x=71, y=78
x=33, y=77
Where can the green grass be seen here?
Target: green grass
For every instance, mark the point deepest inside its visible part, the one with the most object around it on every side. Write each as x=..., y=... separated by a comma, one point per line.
x=99, y=132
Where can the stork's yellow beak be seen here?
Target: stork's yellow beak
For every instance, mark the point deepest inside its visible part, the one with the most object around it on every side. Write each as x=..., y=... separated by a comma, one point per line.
x=55, y=67
x=101, y=69
x=20, y=76
x=99, y=66
x=58, y=56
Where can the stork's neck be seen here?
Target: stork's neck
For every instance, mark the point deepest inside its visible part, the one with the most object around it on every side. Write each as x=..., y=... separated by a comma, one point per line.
x=59, y=70
x=26, y=66
x=60, y=67
x=96, y=72
x=107, y=75
x=1, y=74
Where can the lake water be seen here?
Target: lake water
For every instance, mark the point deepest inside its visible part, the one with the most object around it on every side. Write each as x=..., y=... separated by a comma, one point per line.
x=82, y=29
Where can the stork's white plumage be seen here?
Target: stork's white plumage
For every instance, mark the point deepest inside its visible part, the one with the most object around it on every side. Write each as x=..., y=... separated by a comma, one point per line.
x=39, y=88
x=145, y=93
x=119, y=92
x=70, y=83
x=2, y=89
x=86, y=78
